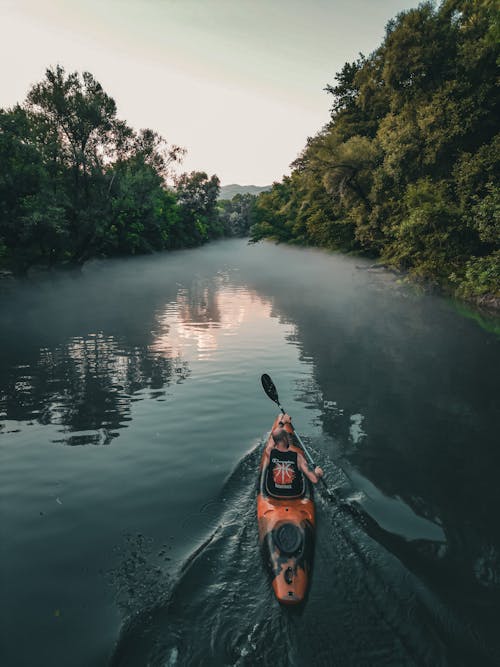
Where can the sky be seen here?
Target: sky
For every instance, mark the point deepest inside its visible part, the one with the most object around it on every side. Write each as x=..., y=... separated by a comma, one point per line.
x=238, y=83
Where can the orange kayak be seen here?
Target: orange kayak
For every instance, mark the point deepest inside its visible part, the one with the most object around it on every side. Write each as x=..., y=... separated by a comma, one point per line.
x=286, y=534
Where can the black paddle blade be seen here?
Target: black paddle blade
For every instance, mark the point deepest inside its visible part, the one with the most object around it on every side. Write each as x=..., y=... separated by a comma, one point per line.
x=269, y=388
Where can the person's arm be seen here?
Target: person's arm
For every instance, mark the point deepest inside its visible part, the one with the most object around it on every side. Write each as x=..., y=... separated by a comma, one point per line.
x=270, y=441
x=269, y=446
x=313, y=476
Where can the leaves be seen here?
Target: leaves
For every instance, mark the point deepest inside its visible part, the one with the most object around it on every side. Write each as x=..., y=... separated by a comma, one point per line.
x=77, y=182
x=407, y=167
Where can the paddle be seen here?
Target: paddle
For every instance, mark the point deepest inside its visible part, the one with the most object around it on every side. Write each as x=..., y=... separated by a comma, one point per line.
x=270, y=389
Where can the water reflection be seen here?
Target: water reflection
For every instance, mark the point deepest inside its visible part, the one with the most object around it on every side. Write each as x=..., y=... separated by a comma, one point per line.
x=86, y=385
x=196, y=324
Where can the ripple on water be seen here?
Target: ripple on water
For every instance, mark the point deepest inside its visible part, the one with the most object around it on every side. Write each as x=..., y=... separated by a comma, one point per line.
x=218, y=607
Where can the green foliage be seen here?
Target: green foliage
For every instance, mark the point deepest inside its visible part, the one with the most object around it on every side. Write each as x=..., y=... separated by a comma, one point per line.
x=77, y=182
x=237, y=215
x=197, y=201
x=486, y=215
x=481, y=276
x=275, y=210
x=428, y=240
x=407, y=167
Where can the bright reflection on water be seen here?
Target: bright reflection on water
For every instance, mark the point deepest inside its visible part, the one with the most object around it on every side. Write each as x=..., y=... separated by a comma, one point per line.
x=195, y=325
x=137, y=543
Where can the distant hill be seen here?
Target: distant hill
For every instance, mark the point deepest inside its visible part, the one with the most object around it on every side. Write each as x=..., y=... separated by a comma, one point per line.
x=228, y=191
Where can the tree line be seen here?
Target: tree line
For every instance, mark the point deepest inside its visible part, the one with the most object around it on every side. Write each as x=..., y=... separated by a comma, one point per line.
x=407, y=166
x=77, y=182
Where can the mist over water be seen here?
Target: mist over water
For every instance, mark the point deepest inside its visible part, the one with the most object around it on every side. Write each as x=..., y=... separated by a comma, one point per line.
x=131, y=426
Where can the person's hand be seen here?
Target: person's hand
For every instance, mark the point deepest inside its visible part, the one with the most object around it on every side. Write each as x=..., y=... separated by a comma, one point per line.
x=285, y=419
x=318, y=471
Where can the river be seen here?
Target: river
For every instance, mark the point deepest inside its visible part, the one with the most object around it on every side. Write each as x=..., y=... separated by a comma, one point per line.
x=131, y=425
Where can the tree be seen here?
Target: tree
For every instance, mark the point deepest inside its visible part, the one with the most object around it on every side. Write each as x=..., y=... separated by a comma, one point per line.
x=32, y=203
x=197, y=198
x=77, y=182
x=407, y=165
x=237, y=215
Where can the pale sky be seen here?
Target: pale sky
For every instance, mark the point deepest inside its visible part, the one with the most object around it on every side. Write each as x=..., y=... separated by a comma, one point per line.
x=238, y=83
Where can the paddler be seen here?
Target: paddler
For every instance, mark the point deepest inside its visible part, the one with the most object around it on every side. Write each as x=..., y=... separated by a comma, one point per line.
x=284, y=464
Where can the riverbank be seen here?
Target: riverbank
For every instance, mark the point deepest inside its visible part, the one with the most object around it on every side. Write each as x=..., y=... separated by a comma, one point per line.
x=407, y=165
x=487, y=304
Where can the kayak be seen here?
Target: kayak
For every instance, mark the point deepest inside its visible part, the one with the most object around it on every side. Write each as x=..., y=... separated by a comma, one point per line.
x=286, y=533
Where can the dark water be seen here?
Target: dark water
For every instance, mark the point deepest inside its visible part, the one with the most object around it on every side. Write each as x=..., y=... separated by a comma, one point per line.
x=131, y=421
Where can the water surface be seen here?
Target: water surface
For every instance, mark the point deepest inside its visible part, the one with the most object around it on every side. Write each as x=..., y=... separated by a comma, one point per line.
x=131, y=426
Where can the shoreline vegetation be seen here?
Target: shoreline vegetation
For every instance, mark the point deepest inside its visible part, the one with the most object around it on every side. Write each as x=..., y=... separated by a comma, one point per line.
x=406, y=170
x=78, y=183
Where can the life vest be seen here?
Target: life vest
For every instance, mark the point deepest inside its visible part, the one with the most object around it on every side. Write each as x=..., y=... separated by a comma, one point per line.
x=284, y=479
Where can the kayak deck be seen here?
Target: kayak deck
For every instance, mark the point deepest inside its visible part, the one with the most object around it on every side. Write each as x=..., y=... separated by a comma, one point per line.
x=286, y=534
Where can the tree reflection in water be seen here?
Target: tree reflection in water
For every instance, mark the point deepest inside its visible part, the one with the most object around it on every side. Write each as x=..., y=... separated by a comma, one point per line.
x=87, y=385
x=87, y=382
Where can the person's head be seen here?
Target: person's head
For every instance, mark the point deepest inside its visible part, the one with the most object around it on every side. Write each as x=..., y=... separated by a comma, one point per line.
x=280, y=436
